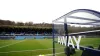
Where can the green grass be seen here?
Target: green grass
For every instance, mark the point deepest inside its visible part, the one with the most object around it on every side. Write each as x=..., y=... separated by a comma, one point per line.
x=28, y=45
x=5, y=42
x=36, y=47
x=90, y=41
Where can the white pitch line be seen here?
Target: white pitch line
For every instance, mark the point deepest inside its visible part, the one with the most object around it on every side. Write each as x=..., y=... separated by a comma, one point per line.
x=55, y=53
x=31, y=50
x=52, y=54
x=11, y=44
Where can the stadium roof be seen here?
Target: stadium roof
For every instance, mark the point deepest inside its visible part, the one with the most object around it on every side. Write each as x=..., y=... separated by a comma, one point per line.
x=80, y=17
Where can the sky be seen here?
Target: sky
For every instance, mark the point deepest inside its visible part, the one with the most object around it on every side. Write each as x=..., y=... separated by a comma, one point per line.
x=38, y=11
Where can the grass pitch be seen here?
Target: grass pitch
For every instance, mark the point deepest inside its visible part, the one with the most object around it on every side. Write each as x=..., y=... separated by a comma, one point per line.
x=35, y=47
x=26, y=47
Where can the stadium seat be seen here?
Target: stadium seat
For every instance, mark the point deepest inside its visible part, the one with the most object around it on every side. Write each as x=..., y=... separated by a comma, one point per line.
x=70, y=49
x=99, y=47
x=90, y=52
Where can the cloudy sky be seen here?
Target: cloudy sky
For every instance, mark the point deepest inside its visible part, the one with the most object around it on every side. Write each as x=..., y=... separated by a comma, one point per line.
x=39, y=11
